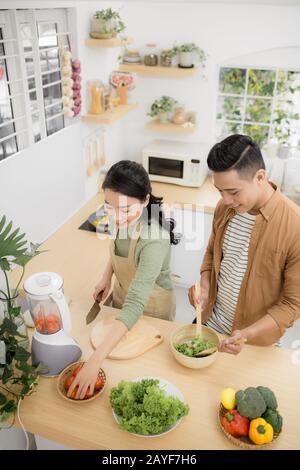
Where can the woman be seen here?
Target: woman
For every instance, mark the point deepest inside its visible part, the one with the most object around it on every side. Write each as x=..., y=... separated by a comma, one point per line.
x=139, y=258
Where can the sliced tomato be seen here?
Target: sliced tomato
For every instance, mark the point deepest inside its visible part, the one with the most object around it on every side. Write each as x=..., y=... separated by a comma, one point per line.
x=40, y=324
x=52, y=323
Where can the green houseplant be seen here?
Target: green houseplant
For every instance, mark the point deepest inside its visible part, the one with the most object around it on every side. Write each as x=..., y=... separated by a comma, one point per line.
x=283, y=131
x=106, y=24
x=17, y=375
x=187, y=53
x=162, y=107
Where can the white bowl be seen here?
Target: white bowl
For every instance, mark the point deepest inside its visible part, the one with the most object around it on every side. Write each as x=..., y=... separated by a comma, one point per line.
x=170, y=389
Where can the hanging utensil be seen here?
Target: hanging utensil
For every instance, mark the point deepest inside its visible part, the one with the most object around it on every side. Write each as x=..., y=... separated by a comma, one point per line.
x=97, y=153
x=90, y=167
x=103, y=156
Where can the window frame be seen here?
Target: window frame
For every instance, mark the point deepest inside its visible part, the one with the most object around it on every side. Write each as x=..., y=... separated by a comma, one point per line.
x=245, y=97
x=11, y=22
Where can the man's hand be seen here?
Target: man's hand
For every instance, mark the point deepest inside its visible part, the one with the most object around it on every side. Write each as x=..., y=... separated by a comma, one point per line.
x=234, y=344
x=202, y=299
x=204, y=289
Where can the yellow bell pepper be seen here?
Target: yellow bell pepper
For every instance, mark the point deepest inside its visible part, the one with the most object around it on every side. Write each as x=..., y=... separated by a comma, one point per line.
x=260, y=431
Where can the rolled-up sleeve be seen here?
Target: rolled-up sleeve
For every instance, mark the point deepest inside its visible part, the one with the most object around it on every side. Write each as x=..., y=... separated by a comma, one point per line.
x=287, y=309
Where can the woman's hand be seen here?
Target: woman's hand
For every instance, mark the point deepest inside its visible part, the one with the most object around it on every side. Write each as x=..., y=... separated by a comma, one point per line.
x=102, y=289
x=234, y=344
x=85, y=379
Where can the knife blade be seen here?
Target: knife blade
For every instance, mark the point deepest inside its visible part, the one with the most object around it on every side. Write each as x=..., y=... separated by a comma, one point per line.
x=92, y=314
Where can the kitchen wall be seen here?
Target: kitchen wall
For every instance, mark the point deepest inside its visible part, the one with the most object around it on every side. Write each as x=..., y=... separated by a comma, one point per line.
x=42, y=186
x=231, y=34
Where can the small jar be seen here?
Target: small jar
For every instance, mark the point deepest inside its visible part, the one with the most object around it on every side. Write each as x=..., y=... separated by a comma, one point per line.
x=106, y=97
x=166, y=58
x=122, y=93
x=191, y=117
x=132, y=57
x=95, y=89
x=179, y=115
x=151, y=57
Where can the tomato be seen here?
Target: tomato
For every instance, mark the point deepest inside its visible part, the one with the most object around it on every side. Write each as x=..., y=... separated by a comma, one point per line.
x=51, y=328
x=52, y=318
x=98, y=383
x=73, y=394
x=52, y=323
x=76, y=370
x=87, y=394
x=69, y=380
x=40, y=324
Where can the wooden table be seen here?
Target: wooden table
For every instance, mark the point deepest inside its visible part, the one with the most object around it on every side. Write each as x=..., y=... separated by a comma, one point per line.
x=80, y=257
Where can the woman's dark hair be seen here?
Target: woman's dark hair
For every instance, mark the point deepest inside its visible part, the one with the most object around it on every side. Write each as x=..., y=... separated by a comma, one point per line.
x=236, y=152
x=132, y=180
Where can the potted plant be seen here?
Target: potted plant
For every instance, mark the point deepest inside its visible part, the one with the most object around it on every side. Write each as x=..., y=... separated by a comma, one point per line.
x=161, y=108
x=187, y=53
x=106, y=24
x=283, y=130
x=17, y=375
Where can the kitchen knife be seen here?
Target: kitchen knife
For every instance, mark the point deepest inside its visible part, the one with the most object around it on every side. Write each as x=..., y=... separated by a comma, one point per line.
x=93, y=312
x=95, y=309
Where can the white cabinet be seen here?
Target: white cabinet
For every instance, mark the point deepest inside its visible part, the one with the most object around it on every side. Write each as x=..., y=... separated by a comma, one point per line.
x=187, y=256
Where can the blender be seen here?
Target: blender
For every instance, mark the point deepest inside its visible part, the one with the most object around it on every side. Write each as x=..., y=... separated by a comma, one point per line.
x=52, y=344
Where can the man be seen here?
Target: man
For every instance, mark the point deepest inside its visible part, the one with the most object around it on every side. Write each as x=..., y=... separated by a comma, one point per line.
x=250, y=275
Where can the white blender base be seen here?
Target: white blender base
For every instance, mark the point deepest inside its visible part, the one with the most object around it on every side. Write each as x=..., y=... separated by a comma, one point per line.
x=54, y=351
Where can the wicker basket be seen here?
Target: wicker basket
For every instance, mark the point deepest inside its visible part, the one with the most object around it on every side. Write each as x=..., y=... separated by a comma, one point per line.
x=68, y=371
x=243, y=442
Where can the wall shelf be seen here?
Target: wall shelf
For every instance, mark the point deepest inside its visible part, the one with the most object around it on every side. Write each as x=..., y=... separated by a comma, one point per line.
x=109, y=117
x=157, y=71
x=108, y=43
x=156, y=126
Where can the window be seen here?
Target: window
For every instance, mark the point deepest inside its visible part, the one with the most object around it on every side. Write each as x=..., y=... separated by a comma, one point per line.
x=31, y=106
x=8, y=141
x=262, y=103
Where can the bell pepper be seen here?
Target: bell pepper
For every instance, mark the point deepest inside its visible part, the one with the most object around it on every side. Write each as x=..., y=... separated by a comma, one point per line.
x=235, y=424
x=260, y=431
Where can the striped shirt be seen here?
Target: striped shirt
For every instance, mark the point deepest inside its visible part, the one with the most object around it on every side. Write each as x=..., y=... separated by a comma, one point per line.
x=232, y=270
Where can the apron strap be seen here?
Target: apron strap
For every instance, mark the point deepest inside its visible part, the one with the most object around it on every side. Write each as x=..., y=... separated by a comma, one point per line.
x=134, y=239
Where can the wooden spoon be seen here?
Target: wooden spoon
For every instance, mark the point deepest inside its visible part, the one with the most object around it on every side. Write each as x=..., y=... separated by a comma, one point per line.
x=97, y=153
x=90, y=168
x=103, y=156
x=199, y=311
x=205, y=352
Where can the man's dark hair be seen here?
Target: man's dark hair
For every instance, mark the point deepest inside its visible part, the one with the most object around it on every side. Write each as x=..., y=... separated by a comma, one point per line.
x=236, y=152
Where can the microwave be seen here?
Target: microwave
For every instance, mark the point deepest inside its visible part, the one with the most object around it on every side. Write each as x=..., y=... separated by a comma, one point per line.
x=176, y=162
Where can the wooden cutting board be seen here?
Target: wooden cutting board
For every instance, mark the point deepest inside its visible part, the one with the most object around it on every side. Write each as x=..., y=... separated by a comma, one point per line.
x=142, y=337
